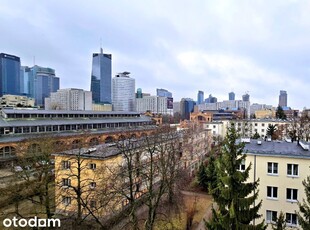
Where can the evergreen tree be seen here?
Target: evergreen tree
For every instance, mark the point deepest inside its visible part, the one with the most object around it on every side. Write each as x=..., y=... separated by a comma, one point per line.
x=304, y=214
x=256, y=135
x=280, y=223
x=234, y=196
x=211, y=173
x=280, y=113
x=271, y=130
x=202, y=177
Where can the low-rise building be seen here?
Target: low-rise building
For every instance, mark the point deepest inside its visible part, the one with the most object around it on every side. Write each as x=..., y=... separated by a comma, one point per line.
x=14, y=101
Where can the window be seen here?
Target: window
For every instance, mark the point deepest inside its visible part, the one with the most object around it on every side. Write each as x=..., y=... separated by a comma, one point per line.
x=263, y=124
x=242, y=166
x=92, y=166
x=272, y=192
x=214, y=126
x=255, y=124
x=292, y=170
x=291, y=194
x=272, y=168
x=271, y=216
x=291, y=218
x=66, y=164
x=92, y=185
x=263, y=130
x=66, y=200
x=66, y=182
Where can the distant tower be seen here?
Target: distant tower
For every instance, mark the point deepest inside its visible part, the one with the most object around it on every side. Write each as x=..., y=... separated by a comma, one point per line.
x=163, y=93
x=283, y=98
x=124, y=97
x=246, y=97
x=9, y=74
x=139, y=93
x=231, y=96
x=186, y=107
x=200, y=97
x=101, y=78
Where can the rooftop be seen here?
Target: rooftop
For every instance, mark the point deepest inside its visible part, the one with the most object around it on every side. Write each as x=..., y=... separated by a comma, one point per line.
x=276, y=148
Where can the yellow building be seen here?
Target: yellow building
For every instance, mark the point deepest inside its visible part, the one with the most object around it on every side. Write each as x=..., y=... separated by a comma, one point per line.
x=9, y=100
x=266, y=113
x=280, y=167
x=102, y=107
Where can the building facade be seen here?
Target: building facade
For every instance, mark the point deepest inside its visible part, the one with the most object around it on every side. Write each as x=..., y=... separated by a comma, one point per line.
x=69, y=99
x=186, y=108
x=283, y=98
x=163, y=93
x=153, y=104
x=101, y=78
x=200, y=97
x=9, y=74
x=280, y=167
x=123, y=92
x=231, y=96
x=16, y=101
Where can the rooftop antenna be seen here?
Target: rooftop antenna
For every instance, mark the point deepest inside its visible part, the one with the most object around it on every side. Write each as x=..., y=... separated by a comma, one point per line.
x=101, y=50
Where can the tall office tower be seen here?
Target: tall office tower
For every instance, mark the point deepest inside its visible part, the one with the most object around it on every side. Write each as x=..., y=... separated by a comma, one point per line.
x=186, y=107
x=26, y=81
x=123, y=92
x=9, y=74
x=69, y=99
x=283, y=98
x=246, y=97
x=101, y=78
x=231, y=96
x=200, y=97
x=211, y=99
x=139, y=93
x=163, y=93
x=45, y=82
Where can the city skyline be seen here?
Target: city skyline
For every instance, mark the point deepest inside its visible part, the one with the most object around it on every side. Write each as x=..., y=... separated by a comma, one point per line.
x=260, y=47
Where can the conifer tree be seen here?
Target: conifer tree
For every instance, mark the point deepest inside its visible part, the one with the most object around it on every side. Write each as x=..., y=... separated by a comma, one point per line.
x=304, y=208
x=280, y=222
x=202, y=177
x=234, y=196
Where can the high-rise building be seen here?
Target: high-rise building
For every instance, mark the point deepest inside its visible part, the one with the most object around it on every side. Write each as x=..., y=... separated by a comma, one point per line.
x=123, y=92
x=283, y=98
x=26, y=81
x=186, y=107
x=231, y=96
x=101, y=78
x=69, y=99
x=163, y=93
x=139, y=93
x=246, y=97
x=45, y=82
x=211, y=99
x=9, y=74
x=200, y=97
x=153, y=104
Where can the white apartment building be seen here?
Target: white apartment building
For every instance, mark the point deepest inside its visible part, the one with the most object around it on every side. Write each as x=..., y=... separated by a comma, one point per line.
x=247, y=128
x=9, y=100
x=154, y=104
x=280, y=167
x=69, y=99
x=123, y=92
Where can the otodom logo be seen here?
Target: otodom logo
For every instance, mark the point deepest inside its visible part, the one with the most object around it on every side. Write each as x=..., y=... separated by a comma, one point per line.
x=32, y=222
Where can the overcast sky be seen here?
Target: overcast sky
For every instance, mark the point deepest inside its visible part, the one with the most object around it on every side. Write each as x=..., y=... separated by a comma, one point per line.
x=184, y=46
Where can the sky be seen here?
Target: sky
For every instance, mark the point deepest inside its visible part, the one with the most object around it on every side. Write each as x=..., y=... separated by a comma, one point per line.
x=218, y=46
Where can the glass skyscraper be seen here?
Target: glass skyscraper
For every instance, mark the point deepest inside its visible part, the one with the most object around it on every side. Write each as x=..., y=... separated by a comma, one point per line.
x=163, y=93
x=9, y=74
x=101, y=78
x=200, y=97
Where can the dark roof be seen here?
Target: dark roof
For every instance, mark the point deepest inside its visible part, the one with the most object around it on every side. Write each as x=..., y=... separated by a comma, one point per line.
x=276, y=148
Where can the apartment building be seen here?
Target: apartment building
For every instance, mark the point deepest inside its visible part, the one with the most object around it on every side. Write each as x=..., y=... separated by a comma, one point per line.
x=280, y=167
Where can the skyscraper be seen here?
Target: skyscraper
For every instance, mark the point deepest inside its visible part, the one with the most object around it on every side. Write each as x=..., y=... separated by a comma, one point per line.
x=101, y=78
x=9, y=74
x=283, y=98
x=186, y=107
x=139, y=93
x=246, y=97
x=163, y=93
x=45, y=82
x=123, y=92
x=200, y=97
x=231, y=96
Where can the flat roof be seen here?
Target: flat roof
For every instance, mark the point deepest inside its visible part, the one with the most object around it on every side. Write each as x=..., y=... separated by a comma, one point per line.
x=41, y=111
x=276, y=148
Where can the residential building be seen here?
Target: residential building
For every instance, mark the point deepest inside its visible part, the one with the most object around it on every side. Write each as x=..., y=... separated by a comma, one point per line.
x=265, y=114
x=9, y=74
x=231, y=96
x=16, y=101
x=280, y=167
x=69, y=99
x=283, y=98
x=153, y=104
x=163, y=93
x=255, y=107
x=200, y=97
x=101, y=78
x=123, y=92
x=102, y=107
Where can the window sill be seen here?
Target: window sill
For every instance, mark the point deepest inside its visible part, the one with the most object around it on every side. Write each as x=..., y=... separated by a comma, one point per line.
x=272, y=198
x=272, y=174
x=291, y=201
x=293, y=176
